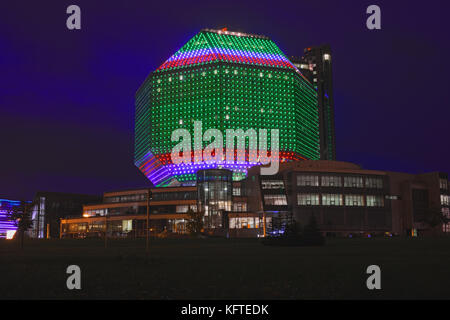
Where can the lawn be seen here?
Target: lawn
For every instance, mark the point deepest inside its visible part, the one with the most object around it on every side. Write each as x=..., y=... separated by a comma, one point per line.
x=226, y=269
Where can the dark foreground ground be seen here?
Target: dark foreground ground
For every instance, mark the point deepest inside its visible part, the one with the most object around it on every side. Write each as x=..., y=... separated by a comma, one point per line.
x=226, y=269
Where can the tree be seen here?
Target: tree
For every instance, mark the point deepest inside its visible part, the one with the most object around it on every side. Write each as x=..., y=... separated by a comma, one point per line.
x=312, y=234
x=195, y=222
x=434, y=217
x=293, y=229
x=21, y=216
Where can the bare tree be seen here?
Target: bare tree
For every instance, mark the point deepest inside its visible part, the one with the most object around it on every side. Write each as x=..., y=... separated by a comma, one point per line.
x=434, y=217
x=195, y=222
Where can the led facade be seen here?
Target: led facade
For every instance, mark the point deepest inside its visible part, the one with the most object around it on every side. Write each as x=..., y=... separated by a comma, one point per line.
x=226, y=80
x=7, y=227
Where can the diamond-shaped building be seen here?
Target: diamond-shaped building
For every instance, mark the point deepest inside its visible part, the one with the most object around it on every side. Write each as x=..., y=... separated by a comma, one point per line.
x=227, y=80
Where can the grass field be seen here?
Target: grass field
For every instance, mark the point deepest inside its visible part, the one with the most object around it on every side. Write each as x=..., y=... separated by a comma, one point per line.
x=226, y=269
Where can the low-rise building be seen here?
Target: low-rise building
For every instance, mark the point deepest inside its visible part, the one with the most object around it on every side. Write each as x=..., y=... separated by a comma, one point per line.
x=344, y=199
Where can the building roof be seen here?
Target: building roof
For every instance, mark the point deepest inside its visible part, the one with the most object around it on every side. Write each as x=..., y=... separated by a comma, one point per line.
x=219, y=45
x=320, y=166
x=53, y=194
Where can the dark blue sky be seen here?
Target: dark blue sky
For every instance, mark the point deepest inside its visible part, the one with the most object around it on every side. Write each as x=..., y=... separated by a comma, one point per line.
x=67, y=97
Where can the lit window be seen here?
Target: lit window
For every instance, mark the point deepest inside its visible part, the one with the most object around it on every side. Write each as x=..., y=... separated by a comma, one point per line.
x=307, y=199
x=353, y=182
x=331, y=181
x=331, y=199
x=308, y=180
x=272, y=184
x=446, y=213
x=374, y=201
x=443, y=184
x=239, y=206
x=275, y=199
x=354, y=200
x=445, y=200
x=374, y=183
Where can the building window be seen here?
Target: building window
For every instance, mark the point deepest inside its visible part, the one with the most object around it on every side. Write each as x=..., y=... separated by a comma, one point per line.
x=308, y=180
x=331, y=181
x=331, y=199
x=272, y=184
x=444, y=200
x=182, y=209
x=127, y=198
x=374, y=183
x=127, y=225
x=185, y=208
x=95, y=212
x=374, y=201
x=353, y=182
x=443, y=184
x=354, y=200
x=239, y=206
x=446, y=213
x=236, y=191
x=307, y=199
x=275, y=200
x=245, y=223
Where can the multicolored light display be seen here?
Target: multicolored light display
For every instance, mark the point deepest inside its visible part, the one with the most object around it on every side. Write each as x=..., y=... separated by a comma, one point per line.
x=7, y=227
x=226, y=80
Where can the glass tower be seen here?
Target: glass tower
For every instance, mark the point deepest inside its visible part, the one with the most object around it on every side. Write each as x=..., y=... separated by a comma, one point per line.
x=215, y=187
x=316, y=65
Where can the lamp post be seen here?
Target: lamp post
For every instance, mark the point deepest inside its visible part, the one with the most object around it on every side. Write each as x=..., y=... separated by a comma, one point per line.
x=147, y=244
x=264, y=224
x=106, y=230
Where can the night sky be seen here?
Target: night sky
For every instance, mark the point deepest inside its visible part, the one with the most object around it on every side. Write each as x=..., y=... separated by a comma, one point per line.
x=67, y=97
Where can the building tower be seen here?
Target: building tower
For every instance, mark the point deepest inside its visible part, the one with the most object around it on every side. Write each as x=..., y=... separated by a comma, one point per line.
x=226, y=80
x=316, y=65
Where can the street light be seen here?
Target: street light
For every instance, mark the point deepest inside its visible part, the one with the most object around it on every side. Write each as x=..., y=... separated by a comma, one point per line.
x=106, y=230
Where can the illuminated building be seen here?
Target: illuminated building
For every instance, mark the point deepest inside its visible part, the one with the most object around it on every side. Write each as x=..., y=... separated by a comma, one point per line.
x=316, y=65
x=215, y=188
x=47, y=208
x=7, y=227
x=345, y=199
x=227, y=80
